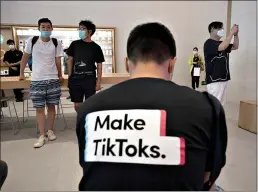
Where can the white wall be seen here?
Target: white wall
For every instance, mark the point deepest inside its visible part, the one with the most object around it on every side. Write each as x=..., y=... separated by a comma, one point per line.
x=243, y=61
x=188, y=21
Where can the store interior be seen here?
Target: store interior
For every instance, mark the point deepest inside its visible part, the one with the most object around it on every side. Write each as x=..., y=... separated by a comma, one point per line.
x=188, y=22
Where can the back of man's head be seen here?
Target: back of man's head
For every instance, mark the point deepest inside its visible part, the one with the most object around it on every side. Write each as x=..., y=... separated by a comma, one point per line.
x=151, y=43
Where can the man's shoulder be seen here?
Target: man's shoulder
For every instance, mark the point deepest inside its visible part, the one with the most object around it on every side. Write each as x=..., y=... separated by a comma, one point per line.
x=96, y=44
x=75, y=42
x=208, y=41
x=191, y=95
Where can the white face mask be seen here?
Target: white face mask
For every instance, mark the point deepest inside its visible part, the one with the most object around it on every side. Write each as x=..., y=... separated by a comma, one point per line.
x=220, y=33
x=11, y=47
x=195, y=52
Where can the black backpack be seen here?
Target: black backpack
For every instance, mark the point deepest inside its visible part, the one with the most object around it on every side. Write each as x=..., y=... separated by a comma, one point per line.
x=219, y=136
x=35, y=38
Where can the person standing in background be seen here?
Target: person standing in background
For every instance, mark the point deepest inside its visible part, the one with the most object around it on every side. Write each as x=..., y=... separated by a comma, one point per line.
x=46, y=77
x=84, y=54
x=216, y=55
x=12, y=59
x=196, y=62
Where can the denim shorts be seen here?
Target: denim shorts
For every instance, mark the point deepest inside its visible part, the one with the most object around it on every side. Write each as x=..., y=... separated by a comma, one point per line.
x=47, y=92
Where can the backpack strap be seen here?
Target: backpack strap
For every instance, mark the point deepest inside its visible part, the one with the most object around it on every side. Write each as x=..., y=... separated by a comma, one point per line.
x=219, y=136
x=33, y=41
x=54, y=40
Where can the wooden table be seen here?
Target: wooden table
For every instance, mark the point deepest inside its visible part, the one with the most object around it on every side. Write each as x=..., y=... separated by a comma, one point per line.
x=14, y=82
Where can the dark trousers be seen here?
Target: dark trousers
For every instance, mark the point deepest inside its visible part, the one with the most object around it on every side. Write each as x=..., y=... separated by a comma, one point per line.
x=195, y=80
x=3, y=172
x=17, y=92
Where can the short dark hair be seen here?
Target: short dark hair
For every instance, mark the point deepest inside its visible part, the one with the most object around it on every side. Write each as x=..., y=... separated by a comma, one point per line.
x=65, y=50
x=89, y=25
x=151, y=42
x=44, y=20
x=10, y=42
x=215, y=25
x=195, y=48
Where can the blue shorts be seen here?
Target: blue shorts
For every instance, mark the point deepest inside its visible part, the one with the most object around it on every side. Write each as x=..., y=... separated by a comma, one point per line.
x=45, y=92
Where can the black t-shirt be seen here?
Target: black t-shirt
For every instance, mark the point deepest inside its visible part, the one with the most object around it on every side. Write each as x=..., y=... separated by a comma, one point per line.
x=168, y=111
x=216, y=62
x=85, y=56
x=13, y=57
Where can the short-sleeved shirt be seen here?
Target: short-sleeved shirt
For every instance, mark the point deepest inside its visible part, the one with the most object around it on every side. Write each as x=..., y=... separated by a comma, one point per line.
x=44, y=59
x=125, y=137
x=85, y=56
x=13, y=57
x=216, y=62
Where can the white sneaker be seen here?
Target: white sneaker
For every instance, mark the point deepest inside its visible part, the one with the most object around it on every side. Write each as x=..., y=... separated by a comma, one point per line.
x=50, y=135
x=41, y=141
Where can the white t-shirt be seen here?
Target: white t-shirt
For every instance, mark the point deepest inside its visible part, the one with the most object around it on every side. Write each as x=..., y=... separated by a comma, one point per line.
x=43, y=59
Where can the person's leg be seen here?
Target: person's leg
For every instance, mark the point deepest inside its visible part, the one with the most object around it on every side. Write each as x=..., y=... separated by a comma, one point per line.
x=76, y=92
x=52, y=98
x=223, y=90
x=18, y=94
x=38, y=97
x=197, y=81
x=3, y=172
x=193, y=82
x=89, y=88
x=216, y=89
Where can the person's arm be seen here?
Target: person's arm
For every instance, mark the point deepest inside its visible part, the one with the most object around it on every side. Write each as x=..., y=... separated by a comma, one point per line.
x=99, y=72
x=70, y=53
x=24, y=62
x=190, y=61
x=6, y=59
x=80, y=131
x=99, y=60
x=201, y=62
x=224, y=45
x=223, y=143
x=70, y=65
x=59, y=54
x=59, y=67
x=15, y=64
x=236, y=42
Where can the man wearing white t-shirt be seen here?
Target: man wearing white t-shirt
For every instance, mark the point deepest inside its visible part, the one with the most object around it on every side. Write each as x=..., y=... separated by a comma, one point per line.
x=46, y=76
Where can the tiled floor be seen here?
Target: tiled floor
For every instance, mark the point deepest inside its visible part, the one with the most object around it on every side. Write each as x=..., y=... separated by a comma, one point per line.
x=55, y=166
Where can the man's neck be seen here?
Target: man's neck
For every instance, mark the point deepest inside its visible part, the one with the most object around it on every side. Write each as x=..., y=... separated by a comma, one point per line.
x=142, y=70
x=88, y=39
x=215, y=37
x=45, y=39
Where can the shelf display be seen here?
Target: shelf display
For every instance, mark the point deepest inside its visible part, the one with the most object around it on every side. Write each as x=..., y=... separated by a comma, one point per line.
x=104, y=37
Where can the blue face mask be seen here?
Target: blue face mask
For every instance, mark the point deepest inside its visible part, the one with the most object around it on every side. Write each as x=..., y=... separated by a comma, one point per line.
x=46, y=34
x=82, y=34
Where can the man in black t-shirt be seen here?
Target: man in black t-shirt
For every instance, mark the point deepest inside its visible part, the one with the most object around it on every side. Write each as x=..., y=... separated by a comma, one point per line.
x=147, y=133
x=12, y=59
x=216, y=55
x=84, y=54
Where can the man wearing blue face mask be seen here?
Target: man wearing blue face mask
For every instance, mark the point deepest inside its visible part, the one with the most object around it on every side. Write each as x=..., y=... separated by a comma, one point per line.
x=216, y=53
x=46, y=77
x=84, y=54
